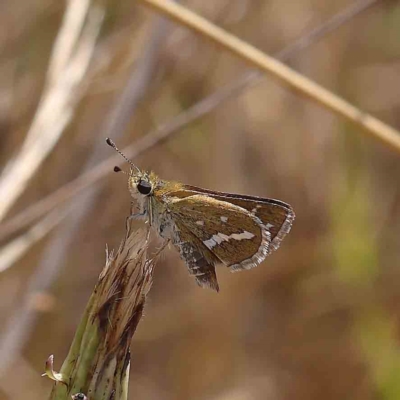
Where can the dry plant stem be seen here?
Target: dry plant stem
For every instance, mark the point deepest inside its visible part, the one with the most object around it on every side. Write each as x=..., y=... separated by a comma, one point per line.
x=17, y=248
x=70, y=190
x=22, y=321
x=69, y=62
x=98, y=361
x=374, y=126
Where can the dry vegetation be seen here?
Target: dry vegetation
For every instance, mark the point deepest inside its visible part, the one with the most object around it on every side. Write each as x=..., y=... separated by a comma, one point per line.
x=319, y=319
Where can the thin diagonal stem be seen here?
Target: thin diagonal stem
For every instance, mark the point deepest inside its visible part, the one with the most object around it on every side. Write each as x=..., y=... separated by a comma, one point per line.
x=286, y=75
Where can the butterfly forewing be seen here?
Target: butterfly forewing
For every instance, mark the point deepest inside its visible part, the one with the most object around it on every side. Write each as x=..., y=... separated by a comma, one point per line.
x=276, y=215
x=231, y=233
x=238, y=231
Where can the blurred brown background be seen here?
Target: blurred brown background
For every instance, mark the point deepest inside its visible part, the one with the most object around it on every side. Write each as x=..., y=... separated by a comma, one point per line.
x=319, y=319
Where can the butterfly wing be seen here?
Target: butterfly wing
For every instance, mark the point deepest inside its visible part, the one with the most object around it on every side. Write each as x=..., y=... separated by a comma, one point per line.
x=211, y=231
x=277, y=216
x=199, y=260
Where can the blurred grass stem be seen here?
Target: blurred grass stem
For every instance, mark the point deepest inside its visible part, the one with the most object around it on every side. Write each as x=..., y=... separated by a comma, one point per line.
x=56, y=252
x=72, y=52
x=268, y=64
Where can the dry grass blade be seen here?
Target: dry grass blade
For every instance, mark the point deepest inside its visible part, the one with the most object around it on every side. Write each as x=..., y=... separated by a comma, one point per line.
x=267, y=64
x=72, y=52
x=56, y=252
x=98, y=361
x=16, y=249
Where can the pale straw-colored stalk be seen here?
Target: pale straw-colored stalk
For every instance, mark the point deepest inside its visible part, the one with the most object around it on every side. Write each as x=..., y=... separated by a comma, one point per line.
x=278, y=70
x=69, y=62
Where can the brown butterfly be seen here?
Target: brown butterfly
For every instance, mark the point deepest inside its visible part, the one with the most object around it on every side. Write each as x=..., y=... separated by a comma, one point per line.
x=209, y=227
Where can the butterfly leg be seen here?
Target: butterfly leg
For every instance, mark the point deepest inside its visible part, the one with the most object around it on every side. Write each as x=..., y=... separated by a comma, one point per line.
x=136, y=216
x=163, y=246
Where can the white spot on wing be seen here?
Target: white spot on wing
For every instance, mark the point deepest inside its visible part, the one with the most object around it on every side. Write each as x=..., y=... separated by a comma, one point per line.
x=241, y=236
x=200, y=223
x=221, y=237
x=224, y=219
x=218, y=238
x=210, y=243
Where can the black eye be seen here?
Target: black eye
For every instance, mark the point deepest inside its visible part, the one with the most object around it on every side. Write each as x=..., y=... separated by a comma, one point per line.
x=144, y=187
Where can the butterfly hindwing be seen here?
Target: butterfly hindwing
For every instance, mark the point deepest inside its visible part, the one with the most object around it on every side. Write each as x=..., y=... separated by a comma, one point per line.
x=200, y=261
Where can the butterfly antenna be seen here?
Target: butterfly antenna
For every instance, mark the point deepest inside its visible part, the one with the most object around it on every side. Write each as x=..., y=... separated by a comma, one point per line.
x=113, y=145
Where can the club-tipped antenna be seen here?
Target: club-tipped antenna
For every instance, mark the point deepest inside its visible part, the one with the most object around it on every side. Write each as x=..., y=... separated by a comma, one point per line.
x=118, y=169
x=113, y=145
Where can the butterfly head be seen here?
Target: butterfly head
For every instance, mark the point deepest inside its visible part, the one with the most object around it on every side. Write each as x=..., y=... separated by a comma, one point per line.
x=141, y=184
x=141, y=187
